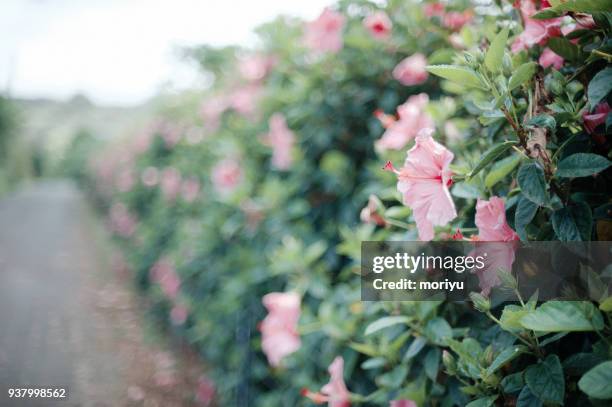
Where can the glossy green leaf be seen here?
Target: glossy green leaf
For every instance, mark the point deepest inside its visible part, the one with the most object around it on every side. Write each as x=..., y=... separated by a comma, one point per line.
x=546, y=381
x=582, y=165
x=386, y=322
x=600, y=86
x=597, y=382
x=532, y=182
x=495, y=54
x=522, y=74
x=500, y=169
x=559, y=316
x=573, y=223
x=458, y=74
x=490, y=155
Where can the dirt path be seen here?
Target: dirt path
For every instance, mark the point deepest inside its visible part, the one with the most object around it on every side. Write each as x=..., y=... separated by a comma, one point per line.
x=65, y=320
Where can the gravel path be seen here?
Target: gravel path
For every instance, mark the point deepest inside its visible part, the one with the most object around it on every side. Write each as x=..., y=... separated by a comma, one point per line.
x=65, y=320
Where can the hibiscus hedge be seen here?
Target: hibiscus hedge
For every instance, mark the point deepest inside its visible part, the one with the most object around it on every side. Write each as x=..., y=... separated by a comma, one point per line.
x=242, y=219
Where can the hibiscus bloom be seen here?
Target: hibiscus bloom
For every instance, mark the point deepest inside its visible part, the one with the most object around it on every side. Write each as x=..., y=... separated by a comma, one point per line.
x=433, y=9
x=281, y=139
x=597, y=118
x=455, y=20
x=255, y=67
x=536, y=32
x=205, y=392
x=179, y=314
x=379, y=24
x=412, y=120
x=244, y=100
x=279, y=329
x=164, y=274
x=371, y=212
x=226, y=175
x=170, y=183
x=325, y=33
x=335, y=392
x=423, y=182
x=403, y=403
x=549, y=58
x=411, y=71
x=496, y=242
x=190, y=189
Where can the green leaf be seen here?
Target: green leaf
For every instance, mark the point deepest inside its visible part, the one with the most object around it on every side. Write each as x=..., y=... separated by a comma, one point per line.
x=501, y=169
x=527, y=399
x=532, y=182
x=511, y=318
x=597, y=382
x=458, y=74
x=559, y=316
x=582, y=165
x=414, y=348
x=438, y=331
x=543, y=120
x=576, y=6
x=513, y=383
x=482, y=402
x=505, y=356
x=374, y=363
x=386, y=322
x=524, y=214
x=564, y=48
x=606, y=305
x=546, y=381
x=522, y=74
x=600, y=86
x=490, y=155
x=495, y=54
x=573, y=223
x=432, y=363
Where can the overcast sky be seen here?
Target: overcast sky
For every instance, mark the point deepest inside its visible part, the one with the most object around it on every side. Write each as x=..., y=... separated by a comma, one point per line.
x=120, y=51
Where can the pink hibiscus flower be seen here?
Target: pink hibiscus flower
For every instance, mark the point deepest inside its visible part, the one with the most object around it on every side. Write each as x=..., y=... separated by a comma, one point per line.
x=190, y=189
x=433, y=9
x=163, y=273
x=411, y=71
x=281, y=139
x=335, y=392
x=179, y=314
x=279, y=329
x=205, y=392
x=170, y=183
x=595, y=119
x=254, y=68
x=226, y=175
x=549, y=58
x=536, y=32
x=325, y=33
x=423, y=182
x=499, y=242
x=412, y=120
x=244, y=100
x=379, y=24
x=455, y=20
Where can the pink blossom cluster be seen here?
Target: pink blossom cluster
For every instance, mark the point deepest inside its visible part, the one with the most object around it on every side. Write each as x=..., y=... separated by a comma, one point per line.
x=226, y=176
x=281, y=139
x=379, y=25
x=412, y=120
x=279, y=329
x=324, y=34
x=121, y=221
x=164, y=274
x=453, y=20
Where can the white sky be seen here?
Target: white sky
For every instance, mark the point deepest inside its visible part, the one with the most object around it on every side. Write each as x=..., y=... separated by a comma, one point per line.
x=120, y=51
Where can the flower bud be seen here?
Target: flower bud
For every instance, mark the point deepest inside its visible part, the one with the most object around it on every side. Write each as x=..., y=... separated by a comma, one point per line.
x=507, y=278
x=449, y=362
x=481, y=303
